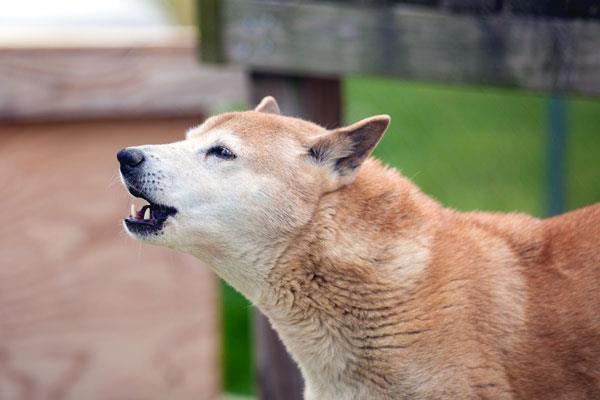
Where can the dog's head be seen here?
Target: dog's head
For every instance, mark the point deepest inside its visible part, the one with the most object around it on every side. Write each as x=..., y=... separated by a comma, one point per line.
x=241, y=185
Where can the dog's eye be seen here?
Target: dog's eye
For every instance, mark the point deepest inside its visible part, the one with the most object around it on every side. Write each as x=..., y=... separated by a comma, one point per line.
x=221, y=152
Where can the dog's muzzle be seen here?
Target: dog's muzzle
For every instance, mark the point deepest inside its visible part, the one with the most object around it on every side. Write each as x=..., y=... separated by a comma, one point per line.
x=151, y=217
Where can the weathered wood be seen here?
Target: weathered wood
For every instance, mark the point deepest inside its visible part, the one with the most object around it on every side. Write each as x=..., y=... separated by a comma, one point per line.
x=587, y=9
x=318, y=100
x=412, y=43
x=85, y=311
x=278, y=376
x=81, y=79
x=474, y=6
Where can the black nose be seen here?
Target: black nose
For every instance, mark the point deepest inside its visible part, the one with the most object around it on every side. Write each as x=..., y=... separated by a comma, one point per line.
x=130, y=158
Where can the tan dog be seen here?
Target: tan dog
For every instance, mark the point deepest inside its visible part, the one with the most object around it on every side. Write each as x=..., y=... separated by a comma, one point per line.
x=377, y=291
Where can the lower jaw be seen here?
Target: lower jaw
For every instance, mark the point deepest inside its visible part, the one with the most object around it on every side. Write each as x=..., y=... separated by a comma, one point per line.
x=143, y=228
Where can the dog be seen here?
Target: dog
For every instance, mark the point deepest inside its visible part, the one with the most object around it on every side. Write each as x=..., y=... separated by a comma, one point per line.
x=376, y=290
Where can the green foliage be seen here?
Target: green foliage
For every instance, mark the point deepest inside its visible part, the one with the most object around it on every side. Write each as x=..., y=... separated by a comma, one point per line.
x=237, y=354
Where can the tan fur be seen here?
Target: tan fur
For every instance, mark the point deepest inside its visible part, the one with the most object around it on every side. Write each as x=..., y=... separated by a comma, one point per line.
x=379, y=292
x=496, y=306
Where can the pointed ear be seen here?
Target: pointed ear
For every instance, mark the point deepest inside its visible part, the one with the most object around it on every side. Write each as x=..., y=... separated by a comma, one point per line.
x=345, y=149
x=268, y=105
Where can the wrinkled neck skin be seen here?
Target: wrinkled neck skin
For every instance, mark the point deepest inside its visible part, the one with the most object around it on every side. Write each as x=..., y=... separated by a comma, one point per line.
x=244, y=265
x=338, y=289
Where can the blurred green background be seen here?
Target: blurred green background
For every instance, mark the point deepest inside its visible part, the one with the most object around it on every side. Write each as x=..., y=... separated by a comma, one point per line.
x=470, y=148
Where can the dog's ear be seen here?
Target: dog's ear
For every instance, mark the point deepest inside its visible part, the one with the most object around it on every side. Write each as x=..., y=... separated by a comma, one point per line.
x=268, y=105
x=343, y=150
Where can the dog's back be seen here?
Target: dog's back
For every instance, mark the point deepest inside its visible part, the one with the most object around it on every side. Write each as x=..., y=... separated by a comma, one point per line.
x=555, y=348
x=559, y=353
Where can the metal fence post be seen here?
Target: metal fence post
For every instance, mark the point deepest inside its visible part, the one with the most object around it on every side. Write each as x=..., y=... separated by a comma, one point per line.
x=556, y=153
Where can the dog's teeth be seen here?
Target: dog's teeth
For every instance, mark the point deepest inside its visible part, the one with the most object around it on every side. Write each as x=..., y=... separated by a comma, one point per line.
x=147, y=213
x=132, y=213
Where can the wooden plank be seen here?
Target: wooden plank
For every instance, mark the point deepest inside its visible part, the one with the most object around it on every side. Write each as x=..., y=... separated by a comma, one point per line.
x=586, y=9
x=85, y=311
x=413, y=43
x=319, y=100
x=553, y=8
x=84, y=80
x=278, y=376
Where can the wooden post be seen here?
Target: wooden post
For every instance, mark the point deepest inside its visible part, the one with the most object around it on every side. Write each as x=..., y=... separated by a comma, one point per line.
x=319, y=100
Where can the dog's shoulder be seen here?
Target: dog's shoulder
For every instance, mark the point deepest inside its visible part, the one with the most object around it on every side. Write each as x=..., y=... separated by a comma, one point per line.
x=576, y=231
x=573, y=240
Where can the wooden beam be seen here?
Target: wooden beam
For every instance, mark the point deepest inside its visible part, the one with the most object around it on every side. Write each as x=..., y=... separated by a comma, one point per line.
x=93, y=78
x=278, y=375
x=412, y=43
x=319, y=100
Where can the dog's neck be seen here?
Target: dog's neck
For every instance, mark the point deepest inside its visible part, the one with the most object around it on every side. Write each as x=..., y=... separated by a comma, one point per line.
x=339, y=284
x=244, y=266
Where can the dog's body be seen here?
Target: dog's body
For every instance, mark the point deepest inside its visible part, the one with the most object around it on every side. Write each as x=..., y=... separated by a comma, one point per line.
x=417, y=301
x=378, y=291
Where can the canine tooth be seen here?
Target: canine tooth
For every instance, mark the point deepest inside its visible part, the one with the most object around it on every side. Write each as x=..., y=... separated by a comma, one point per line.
x=132, y=213
x=147, y=213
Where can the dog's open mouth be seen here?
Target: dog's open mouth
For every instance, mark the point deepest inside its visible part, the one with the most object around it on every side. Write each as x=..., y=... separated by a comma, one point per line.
x=150, y=218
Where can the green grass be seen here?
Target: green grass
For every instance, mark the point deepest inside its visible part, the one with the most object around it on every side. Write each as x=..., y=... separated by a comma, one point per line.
x=479, y=148
x=583, y=149
x=471, y=148
x=237, y=356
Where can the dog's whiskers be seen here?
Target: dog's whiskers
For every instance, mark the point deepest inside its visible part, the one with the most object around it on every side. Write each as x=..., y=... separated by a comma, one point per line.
x=115, y=178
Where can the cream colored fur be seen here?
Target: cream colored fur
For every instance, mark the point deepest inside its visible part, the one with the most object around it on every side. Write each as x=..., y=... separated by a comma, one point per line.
x=377, y=291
